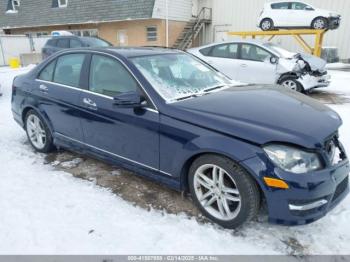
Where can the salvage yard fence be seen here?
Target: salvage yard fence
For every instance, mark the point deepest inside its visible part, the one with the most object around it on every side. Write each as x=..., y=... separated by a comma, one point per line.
x=13, y=46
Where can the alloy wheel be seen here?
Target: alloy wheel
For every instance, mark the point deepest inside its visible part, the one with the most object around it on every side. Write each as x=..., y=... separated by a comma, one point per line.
x=36, y=131
x=290, y=84
x=319, y=24
x=266, y=25
x=217, y=192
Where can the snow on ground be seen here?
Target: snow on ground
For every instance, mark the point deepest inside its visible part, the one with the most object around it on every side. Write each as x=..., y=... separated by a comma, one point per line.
x=44, y=211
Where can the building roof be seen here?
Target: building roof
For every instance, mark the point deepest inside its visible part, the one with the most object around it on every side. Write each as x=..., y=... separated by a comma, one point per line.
x=36, y=13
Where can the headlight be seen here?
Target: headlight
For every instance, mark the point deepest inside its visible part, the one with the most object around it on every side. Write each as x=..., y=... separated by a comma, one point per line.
x=293, y=159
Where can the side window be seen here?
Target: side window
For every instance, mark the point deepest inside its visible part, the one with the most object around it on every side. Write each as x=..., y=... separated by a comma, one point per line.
x=109, y=77
x=51, y=42
x=68, y=69
x=298, y=6
x=233, y=51
x=47, y=73
x=280, y=6
x=220, y=51
x=74, y=43
x=63, y=43
x=253, y=52
x=205, y=51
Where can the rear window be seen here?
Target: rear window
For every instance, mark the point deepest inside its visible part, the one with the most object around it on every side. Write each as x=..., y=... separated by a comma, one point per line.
x=63, y=43
x=51, y=42
x=205, y=51
x=280, y=6
x=95, y=42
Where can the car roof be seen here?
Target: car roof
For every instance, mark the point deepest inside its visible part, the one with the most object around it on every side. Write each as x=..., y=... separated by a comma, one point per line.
x=244, y=41
x=128, y=52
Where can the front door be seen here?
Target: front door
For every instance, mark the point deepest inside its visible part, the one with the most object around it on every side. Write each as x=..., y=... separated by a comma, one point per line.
x=127, y=134
x=224, y=58
x=255, y=66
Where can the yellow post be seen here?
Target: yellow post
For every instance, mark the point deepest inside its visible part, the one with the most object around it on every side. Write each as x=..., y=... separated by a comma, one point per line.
x=296, y=33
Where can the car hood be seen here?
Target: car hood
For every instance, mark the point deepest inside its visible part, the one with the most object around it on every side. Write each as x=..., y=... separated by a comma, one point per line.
x=260, y=114
x=288, y=64
x=316, y=63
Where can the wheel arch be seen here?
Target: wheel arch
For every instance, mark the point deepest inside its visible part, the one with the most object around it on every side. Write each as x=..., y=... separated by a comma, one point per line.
x=25, y=111
x=317, y=17
x=186, y=167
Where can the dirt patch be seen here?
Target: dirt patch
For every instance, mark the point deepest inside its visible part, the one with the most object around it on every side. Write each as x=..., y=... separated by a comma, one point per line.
x=327, y=97
x=129, y=186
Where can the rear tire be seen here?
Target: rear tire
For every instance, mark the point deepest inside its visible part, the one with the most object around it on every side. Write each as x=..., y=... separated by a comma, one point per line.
x=266, y=24
x=38, y=133
x=319, y=23
x=223, y=191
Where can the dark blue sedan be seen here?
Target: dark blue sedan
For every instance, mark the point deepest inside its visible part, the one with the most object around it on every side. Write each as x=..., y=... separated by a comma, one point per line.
x=170, y=117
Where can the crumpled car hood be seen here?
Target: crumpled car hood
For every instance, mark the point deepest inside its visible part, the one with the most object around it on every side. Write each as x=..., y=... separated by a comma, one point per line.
x=260, y=114
x=316, y=63
x=288, y=64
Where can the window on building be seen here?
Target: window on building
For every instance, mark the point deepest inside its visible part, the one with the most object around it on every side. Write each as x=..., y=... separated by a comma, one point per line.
x=13, y=6
x=280, y=5
x=59, y=3
x=85, y=32
x=151, y=33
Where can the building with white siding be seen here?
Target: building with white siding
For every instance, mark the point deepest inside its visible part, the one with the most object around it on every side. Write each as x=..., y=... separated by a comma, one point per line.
x=241, y=15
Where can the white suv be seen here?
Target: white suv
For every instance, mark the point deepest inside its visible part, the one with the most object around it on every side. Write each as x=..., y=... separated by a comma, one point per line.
x=291, y=14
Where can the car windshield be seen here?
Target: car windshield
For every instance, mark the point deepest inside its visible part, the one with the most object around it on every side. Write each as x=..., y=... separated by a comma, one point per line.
x=279, y=50
x=180, y=76
x=96, y=42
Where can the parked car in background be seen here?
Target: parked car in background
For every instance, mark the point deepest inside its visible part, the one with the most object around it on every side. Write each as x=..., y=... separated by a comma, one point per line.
x=58, y=43
x=170, y=117
x=296, y=14
x=256, y=62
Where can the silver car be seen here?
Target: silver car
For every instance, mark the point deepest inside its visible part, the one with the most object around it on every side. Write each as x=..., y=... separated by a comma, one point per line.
x=257, y=62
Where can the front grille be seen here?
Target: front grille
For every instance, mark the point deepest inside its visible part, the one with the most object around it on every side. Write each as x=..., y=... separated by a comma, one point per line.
x=342, y=186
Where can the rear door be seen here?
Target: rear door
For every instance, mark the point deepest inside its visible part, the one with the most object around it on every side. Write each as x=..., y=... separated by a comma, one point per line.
x=255, y=66
x=58, y=90
x=224, y=58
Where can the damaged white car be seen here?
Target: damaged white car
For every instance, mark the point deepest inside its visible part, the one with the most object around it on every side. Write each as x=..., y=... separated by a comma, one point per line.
x=256, y=62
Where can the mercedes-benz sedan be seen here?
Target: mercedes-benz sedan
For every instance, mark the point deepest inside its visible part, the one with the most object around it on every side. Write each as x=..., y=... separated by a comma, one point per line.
x=170, y=117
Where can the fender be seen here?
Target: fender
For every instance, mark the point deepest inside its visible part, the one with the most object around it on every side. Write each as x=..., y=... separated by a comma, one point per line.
x=231, y=148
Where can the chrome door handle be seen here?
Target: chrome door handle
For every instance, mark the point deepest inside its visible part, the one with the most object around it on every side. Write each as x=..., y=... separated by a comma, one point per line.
x=89, y=103
x=43, y=88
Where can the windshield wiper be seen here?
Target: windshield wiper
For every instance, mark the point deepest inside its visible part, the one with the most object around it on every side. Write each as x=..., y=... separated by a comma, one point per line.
x=212, y=88
x=186, y=97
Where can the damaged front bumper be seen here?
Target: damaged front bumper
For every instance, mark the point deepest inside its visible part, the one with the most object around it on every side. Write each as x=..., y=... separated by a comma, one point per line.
x=334, y=22
x=309, y=81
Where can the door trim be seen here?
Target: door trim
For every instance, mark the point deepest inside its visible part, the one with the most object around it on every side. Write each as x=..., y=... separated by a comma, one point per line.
x=113, y=154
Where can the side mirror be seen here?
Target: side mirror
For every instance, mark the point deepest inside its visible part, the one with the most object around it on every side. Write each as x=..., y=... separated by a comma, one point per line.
x=273, y=60
x=129, y=100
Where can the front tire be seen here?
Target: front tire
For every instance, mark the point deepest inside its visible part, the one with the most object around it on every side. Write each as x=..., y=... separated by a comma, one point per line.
x=291, y=83
x=266, y=24
x=38, y=133
x=319, y=23
x=223, y=191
